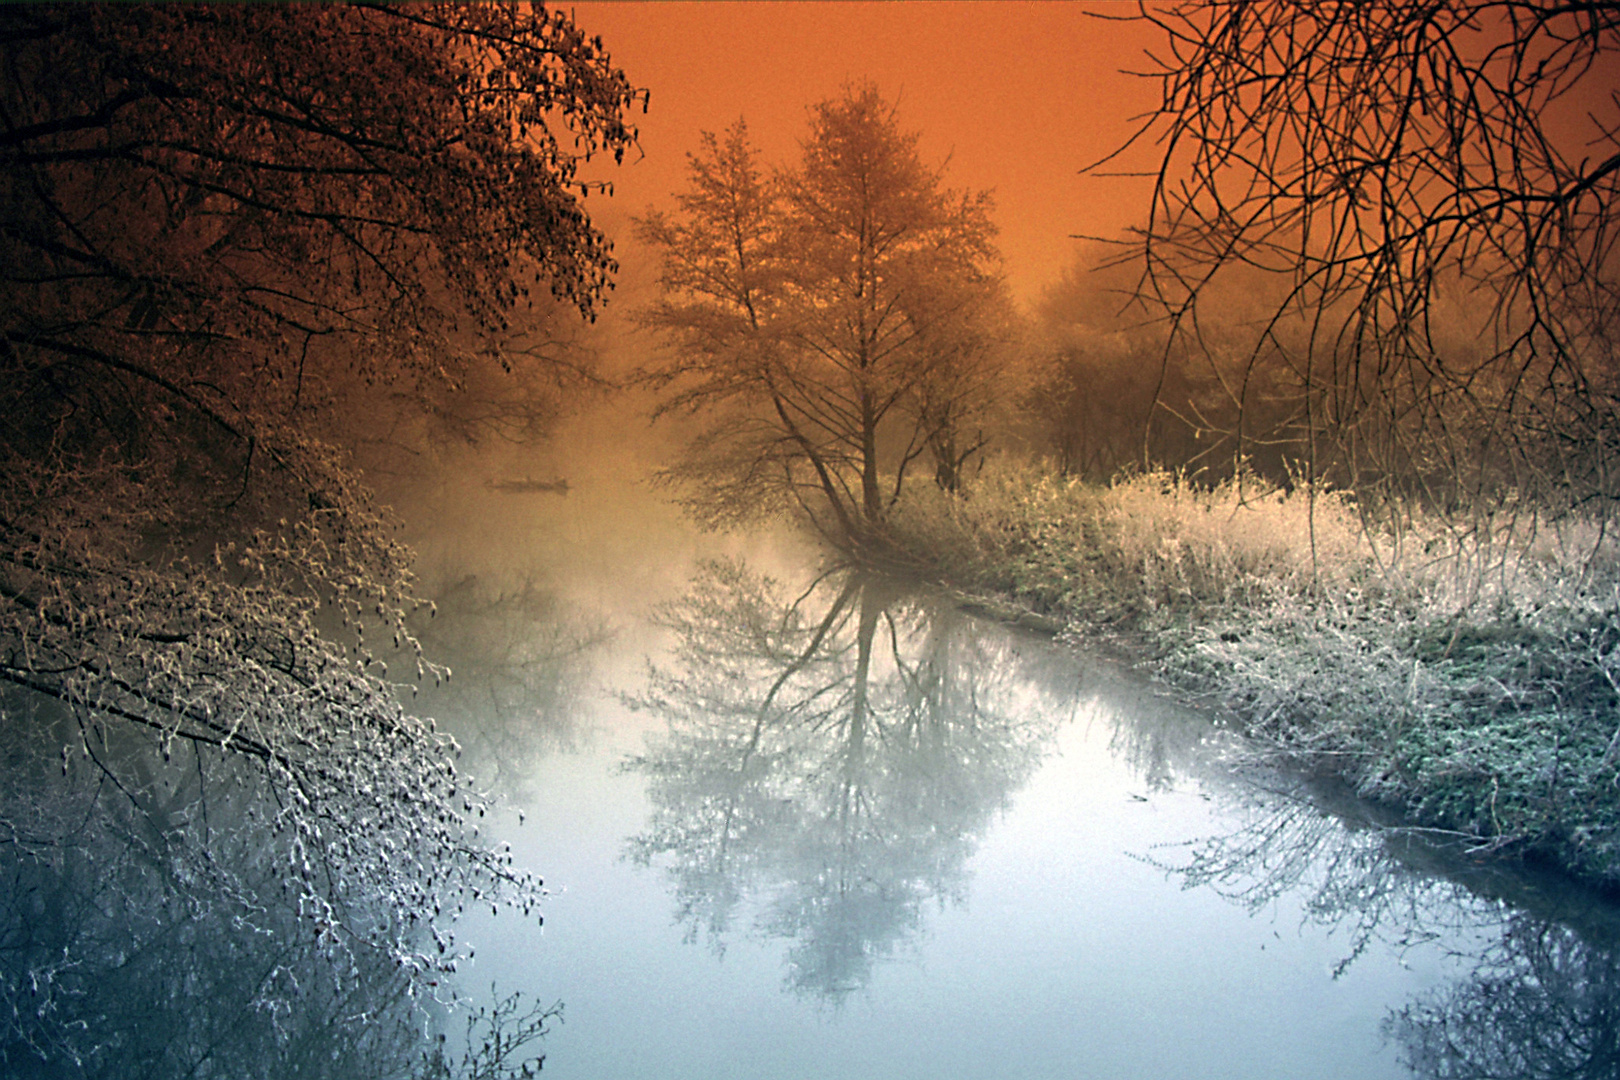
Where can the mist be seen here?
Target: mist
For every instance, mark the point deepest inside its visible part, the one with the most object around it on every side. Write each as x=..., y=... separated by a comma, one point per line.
x=674, y=530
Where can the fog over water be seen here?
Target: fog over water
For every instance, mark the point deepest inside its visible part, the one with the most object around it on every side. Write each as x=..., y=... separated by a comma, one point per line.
x=798, y=823
x=347, y=587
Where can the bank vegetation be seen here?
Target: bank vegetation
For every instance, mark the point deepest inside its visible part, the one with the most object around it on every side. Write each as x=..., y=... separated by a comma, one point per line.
x=1471, y=684
x=1332, y=435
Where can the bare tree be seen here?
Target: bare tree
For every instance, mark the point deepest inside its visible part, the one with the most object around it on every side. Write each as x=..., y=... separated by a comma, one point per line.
x=1434, y=186
x=840, y=320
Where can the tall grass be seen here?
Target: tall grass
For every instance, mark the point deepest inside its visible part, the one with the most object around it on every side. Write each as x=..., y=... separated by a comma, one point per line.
x=1470, y=678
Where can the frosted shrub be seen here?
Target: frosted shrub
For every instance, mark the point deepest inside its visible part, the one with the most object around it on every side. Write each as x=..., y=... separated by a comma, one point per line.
x=1020, y=530
x=1144, y=542
x=1232, y=543
x=210, y=676
x=1469, y=676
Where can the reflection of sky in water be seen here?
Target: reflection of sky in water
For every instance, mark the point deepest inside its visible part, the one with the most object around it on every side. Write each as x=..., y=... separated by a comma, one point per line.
x=1071, y=956
x=1085, y=891
x=1075, y=952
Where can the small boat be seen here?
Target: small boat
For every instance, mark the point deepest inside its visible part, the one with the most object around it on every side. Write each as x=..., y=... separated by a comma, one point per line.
x=518, y=487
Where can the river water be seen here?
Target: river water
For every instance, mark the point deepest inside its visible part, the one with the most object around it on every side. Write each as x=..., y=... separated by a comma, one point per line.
x=797, y=822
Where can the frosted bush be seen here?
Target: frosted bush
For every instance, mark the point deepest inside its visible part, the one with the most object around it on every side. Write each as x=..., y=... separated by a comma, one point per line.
x=1229, y=543
x=163, y=666
x=1468, y=674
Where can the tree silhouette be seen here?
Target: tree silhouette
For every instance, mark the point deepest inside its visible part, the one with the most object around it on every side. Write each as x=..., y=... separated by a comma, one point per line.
x=1439, y=217
x=839, y=320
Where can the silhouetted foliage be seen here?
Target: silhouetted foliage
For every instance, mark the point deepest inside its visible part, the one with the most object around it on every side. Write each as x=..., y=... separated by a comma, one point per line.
x=1439, y=218
x=839, y=320
x=215, y=222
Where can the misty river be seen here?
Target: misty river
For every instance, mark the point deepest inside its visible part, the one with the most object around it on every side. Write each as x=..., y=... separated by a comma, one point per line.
x=798, y=822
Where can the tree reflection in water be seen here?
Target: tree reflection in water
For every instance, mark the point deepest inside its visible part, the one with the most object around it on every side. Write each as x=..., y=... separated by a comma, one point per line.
x=145, y=931
x=1544, y=1003
x=1341, y=868
x=1543, y=998
x=521, y=660
x=831, y=761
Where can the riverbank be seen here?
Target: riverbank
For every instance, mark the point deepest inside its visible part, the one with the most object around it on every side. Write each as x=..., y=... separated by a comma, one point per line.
x=1472, y=684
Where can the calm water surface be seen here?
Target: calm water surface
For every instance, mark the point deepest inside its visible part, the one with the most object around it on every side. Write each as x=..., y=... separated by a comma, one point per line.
x=796, y=822
x=801, y=823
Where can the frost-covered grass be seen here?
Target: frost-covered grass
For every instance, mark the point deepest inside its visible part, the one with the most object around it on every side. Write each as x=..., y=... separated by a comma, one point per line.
x=1470, y=679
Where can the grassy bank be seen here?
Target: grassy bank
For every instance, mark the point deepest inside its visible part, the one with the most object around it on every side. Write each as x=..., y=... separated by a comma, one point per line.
x=1468, y=680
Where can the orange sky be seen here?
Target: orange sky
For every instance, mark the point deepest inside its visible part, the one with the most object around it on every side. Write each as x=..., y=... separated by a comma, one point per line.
x=1020, y=96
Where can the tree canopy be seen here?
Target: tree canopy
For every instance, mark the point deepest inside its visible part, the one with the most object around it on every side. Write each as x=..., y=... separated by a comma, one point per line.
x=1434, y=183
x=214, y=220
x=838, y=319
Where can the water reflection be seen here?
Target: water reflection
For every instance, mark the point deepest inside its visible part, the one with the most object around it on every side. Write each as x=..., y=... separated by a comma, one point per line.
x=1543, y=997
x=1544, y=1002
x=522, y=663
x=146, y=929
x=830, y=763
x=1342, y=868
